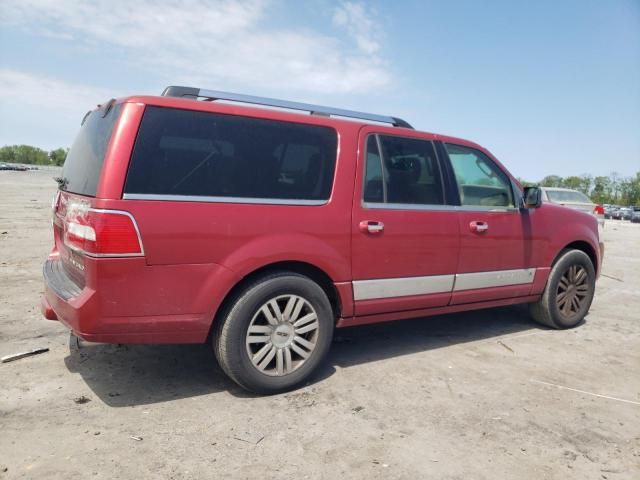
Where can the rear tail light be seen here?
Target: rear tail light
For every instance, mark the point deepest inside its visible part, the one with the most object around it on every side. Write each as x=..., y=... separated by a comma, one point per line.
x=102, y=233
x=598, y=210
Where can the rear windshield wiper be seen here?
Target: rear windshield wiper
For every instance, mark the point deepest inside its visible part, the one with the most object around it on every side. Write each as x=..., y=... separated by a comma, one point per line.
x=62, y=182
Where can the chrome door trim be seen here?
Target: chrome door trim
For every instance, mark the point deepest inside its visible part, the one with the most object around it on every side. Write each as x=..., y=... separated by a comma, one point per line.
x=500, y=278
x=205, y=199
x=401, y=287
x=405, y=286
x=435, y=208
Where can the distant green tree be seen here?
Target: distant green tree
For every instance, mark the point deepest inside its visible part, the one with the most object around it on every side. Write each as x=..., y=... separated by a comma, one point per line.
x=525, y=183
x=24, y=154
x=7, y=155
x=32, y=155
x=586, y=184
x=601, y=190
x=572, y=182
x=58, y=156
x=552, y=181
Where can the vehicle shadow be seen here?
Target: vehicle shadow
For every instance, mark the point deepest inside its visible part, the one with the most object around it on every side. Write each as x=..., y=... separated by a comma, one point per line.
x=368, y=343
x=128, y=375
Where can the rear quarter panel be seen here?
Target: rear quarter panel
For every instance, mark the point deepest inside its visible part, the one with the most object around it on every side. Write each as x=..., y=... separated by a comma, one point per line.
x=240, y=237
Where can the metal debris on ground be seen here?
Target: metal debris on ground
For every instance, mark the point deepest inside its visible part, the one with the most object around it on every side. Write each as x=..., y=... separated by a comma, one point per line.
x=137, y=439
x=18, y=356
x=506, y=346
x=612, y=278
x=249, y=437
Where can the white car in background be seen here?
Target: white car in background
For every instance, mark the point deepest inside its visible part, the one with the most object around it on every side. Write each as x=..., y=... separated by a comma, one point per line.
x=573, y=199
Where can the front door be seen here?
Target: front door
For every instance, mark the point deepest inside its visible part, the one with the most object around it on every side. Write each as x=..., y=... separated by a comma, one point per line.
x=494, y=261
x=405, y=241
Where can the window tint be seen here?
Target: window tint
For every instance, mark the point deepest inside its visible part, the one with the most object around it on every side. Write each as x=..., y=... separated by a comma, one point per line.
x=83, y=164
x=407, y=172
x=180, y=152
x=567, y=196
x=480, y=181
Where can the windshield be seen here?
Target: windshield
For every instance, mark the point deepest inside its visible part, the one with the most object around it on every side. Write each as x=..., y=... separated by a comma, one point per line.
x=84, y=161
x=567, y=196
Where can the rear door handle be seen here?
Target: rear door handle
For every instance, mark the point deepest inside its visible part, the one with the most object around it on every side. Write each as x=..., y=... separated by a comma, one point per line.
x=370, y=226
x=478, y=227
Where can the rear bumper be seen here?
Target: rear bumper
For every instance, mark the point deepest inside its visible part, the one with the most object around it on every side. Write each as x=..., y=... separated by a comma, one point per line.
x=135, y=303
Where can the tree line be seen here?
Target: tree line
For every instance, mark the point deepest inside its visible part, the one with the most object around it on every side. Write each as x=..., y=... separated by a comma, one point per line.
x=32, y=155
x=612, y=189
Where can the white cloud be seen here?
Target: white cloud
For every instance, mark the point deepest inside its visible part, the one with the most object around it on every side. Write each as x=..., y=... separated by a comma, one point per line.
x=217, y=43
x=360, y=26
x=43, y=111
x=23, y=89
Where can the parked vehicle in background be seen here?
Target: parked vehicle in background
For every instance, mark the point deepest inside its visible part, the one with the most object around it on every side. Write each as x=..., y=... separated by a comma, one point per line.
x=607, y=211
x=182, y=219
x=635, y=215
x=573, y=199
x=616, y=213
x=625, y=213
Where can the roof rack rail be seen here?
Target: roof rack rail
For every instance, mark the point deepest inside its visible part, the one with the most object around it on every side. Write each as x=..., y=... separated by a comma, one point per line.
x=195, y=93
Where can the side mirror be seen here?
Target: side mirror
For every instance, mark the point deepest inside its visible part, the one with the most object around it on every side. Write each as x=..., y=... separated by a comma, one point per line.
x=532, y=197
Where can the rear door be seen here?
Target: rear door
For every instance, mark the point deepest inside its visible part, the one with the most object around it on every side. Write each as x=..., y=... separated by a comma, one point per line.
x=495, y=250
x=404, y=233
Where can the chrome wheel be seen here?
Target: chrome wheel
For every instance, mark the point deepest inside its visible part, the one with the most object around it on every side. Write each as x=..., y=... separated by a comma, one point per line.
x=573, y=290
x=282, y=335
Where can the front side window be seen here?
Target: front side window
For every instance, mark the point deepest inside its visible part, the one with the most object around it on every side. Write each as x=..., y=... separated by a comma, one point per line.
x=402, y=170
x=182, y=152
x=481, y=183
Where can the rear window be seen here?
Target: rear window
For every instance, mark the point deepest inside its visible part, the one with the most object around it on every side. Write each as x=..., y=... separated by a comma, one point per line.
x=83, y=164
x=567, y=196
x=187, y=153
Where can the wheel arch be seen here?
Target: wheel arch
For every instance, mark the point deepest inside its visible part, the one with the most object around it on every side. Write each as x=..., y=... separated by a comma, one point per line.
x=583, y=246
x=308, y=270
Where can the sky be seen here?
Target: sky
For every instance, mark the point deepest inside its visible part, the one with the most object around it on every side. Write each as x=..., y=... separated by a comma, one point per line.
x=549, y=87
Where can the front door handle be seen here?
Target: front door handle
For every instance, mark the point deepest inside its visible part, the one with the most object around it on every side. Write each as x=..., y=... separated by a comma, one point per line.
x=478, y=227
x=370, y=226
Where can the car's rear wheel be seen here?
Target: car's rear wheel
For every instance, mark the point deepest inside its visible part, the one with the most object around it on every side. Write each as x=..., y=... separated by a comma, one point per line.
x=275, y=333
x=569, y=292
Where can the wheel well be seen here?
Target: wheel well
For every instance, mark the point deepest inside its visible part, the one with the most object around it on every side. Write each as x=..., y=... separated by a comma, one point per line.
x=584, y=247
x=302, y=268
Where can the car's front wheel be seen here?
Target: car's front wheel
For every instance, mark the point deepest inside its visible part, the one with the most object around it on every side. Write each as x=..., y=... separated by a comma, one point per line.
x=275, y=333
x=569, y=292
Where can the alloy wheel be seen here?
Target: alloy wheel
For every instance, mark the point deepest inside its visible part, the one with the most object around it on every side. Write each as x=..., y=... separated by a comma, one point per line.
x=282, y=334
x=573, y=290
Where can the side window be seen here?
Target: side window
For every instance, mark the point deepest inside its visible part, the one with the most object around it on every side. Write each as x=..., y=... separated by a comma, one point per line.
x=180, y=152
x=481, y=182
x=406, y=171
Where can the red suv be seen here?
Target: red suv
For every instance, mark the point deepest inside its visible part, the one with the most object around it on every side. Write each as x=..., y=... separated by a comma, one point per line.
x=183, y=219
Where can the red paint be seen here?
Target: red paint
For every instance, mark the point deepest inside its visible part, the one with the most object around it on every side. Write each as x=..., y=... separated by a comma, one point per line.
x=428, y=312
x=196, y=252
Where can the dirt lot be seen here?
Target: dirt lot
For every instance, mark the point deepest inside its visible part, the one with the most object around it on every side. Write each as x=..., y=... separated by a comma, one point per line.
x=485, y=395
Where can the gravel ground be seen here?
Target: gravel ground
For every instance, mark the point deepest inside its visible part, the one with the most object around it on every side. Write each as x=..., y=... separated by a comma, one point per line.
x=482, y=395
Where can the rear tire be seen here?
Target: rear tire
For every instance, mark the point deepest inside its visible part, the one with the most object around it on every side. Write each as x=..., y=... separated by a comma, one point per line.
x=569, y=292
x=275, y=333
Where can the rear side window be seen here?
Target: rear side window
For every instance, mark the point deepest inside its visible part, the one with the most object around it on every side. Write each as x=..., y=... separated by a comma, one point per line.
x=402, y=170
x=83, y=164
x=187, y=153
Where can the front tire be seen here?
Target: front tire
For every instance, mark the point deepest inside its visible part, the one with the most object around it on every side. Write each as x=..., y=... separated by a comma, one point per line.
x=569, y=292
x=275, y=333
